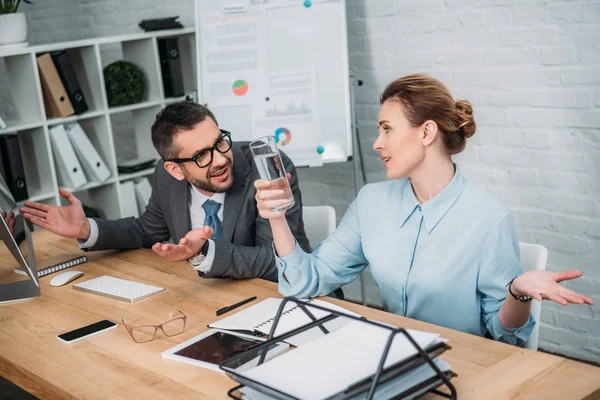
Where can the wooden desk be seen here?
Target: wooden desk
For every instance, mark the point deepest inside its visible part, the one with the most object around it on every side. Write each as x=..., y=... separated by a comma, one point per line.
x=112, y=366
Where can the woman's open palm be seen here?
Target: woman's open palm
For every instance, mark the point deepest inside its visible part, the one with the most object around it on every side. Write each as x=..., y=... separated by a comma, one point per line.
x=544, y=285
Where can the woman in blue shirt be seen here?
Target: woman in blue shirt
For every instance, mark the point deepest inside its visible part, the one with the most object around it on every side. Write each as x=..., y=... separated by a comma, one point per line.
x=441, y=250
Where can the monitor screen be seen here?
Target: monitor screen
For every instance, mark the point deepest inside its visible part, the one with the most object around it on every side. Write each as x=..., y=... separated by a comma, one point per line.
x=18, y=273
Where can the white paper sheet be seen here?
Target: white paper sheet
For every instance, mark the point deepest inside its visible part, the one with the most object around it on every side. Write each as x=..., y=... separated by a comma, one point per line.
x=234, y=56
x=260, y=317
x=385, y=391
x=291, y=113
x=330, y=364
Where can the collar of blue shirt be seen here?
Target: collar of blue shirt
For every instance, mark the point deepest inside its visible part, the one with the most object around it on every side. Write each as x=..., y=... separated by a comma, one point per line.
x=435, y=209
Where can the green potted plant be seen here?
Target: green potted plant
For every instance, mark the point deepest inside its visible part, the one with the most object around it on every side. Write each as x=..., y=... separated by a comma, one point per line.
x=13, y=25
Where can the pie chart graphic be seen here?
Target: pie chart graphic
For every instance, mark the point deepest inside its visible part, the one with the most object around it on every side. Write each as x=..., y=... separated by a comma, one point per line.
x=240, y=87
x=283, y=136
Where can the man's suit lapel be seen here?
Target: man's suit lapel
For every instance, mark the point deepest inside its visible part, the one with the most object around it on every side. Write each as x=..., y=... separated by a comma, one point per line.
x=234, y=197
x=180, y=209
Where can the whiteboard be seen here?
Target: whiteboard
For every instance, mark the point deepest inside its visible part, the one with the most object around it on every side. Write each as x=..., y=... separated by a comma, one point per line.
x=278, y=68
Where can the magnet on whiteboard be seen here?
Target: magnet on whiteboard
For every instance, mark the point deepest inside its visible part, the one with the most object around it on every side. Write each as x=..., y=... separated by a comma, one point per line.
x=307, y=3
x=233, y=8
x=320, y=149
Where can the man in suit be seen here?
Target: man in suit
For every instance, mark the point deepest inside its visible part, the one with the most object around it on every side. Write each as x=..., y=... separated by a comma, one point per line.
x=203, y=198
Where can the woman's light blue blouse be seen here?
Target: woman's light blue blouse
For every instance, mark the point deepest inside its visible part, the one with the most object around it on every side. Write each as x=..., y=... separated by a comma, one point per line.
x=447, y=261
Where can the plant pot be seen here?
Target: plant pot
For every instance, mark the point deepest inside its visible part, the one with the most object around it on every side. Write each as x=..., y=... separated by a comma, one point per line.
x=13, y=28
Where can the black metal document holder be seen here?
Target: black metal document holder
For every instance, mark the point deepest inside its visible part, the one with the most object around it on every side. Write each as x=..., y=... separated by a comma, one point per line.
x=369, y=384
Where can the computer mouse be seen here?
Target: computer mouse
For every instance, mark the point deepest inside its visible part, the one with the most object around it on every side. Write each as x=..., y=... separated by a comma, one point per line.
x=65, y=277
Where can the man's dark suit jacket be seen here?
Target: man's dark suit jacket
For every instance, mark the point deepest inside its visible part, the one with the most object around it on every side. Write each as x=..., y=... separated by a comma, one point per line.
x=245, y=249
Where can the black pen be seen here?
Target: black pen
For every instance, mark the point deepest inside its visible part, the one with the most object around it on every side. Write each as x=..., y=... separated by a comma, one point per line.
x=234, y=306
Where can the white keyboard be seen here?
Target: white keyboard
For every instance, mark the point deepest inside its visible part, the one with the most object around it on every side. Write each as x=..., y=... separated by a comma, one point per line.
x=120, y=289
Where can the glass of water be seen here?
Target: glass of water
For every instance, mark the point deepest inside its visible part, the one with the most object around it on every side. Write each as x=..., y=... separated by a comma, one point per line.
x=270, y=167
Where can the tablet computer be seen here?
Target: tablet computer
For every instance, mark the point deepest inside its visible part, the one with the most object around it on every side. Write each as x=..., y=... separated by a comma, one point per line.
x=213, y=347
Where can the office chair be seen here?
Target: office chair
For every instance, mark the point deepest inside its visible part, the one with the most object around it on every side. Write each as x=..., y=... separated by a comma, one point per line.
x=319, y=222
x=533, y=256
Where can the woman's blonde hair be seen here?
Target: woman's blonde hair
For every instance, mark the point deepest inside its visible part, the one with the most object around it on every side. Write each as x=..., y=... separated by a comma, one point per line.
x=425, y=98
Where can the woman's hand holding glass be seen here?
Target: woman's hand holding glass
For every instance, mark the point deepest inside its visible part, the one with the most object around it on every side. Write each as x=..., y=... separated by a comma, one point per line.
x=265, y=192
x=268, y=199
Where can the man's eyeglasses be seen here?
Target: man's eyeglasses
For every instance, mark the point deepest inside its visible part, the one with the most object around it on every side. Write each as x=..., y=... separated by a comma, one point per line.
x=146, y=333
x=203, y=158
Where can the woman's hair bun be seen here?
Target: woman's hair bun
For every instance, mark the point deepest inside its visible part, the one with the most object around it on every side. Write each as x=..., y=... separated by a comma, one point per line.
x=466, y=122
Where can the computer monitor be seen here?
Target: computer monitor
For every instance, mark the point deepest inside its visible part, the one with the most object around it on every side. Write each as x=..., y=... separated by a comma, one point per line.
x=16, y=254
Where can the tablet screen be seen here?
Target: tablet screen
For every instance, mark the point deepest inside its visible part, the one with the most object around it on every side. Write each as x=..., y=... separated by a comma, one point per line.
x=216, y=348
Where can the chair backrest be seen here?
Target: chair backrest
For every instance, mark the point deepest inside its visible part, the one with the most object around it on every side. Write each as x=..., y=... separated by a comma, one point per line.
x=533, y=256
x=319, y=222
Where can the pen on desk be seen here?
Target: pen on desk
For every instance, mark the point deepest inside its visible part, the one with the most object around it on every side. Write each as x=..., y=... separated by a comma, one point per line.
x=234, y=306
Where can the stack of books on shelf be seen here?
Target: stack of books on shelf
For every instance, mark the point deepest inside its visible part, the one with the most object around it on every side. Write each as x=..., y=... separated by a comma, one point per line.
x=60, y=86
x=77, y=160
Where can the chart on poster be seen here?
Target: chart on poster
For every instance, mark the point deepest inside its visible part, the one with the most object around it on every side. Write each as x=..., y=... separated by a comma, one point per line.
x=278, y=68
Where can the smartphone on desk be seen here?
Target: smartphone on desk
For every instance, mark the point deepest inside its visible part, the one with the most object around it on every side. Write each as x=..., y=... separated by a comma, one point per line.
x=87, y=331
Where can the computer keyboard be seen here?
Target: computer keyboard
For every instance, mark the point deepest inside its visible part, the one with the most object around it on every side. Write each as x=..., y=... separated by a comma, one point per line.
x=116, y=288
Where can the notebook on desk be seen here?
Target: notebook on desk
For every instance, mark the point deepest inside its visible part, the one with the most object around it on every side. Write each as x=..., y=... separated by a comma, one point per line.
x=260, y=317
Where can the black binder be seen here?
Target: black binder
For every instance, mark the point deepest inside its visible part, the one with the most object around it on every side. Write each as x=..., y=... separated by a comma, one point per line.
x=11, y=166
x=366, y=387
x=170, y=66
x=69, y=80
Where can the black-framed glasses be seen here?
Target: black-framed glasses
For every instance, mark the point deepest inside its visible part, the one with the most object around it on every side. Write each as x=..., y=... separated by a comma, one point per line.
x=203, y=158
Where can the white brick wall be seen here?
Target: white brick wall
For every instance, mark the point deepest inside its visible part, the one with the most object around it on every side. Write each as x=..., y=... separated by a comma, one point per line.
x=531, y=69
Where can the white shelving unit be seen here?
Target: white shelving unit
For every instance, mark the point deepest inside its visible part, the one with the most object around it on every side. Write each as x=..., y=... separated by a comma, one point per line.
x=31, y=123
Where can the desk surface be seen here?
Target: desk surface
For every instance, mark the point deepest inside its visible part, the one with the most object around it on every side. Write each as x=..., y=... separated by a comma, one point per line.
x=111, y=365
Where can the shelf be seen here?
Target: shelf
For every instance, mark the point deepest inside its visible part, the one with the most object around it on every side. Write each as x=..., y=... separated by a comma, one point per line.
x=90, y=42
x=132, y=107
x=171, y=100
x=20, y=126
x=91, y=185
x=76, y=117
x=38, y=198
x=138, y=174
x=101, y=124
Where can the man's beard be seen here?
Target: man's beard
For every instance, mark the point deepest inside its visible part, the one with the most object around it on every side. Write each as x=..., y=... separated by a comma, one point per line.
x=207, y=186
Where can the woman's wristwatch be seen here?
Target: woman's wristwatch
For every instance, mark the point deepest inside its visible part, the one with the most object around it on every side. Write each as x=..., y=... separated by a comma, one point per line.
x=522, y=299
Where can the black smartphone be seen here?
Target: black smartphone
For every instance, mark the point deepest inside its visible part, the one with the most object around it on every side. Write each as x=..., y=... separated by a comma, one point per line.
x=87, y=331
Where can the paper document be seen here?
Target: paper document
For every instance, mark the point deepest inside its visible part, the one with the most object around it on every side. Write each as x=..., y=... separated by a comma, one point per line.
x=404, y=382
x=233, y=56
x=261, y=317
x=292, y=114
x=335, y=361
x=387, y=390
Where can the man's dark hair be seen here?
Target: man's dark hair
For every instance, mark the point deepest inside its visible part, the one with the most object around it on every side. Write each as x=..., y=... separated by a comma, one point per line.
x=176, y=117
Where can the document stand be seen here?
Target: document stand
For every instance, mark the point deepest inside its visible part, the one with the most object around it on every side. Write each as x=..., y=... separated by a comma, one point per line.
x=369, y=385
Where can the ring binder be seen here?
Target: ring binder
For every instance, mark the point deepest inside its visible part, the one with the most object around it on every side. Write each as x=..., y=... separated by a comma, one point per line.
x=369, y=385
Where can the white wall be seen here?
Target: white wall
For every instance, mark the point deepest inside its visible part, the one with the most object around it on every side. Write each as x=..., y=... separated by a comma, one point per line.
x=530, y=68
